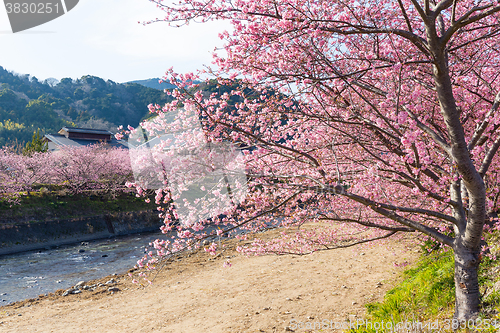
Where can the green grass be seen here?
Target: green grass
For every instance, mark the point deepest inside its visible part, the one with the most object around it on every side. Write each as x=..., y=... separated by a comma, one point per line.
x=41, y=207
x=426, y=293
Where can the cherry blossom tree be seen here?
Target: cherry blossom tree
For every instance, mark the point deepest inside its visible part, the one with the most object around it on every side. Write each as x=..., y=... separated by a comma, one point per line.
x=77, y=169
x=10, y=187
x=90, y=168
x=379, y=114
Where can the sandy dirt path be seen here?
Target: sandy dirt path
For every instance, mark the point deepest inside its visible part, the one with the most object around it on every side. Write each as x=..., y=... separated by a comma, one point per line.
x=196, y=294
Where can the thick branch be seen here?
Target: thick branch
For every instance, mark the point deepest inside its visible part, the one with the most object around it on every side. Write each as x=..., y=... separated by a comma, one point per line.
x=442, y=5
x=435, y=136
x=418, y=41
x=377, y=207
x=466, y=19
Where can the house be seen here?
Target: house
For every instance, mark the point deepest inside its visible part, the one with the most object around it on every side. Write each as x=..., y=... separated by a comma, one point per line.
x=76, y=137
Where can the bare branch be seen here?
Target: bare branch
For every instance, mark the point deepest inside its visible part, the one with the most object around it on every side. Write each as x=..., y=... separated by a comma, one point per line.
x=489, y=157
x=420, y=10
x=482, y=127
x=393, y=216
x=405, y=15
x=418, y=41
x=361, y=241
x=385, y=208
x=334, y=247
x=466, y=20
x=368, y=224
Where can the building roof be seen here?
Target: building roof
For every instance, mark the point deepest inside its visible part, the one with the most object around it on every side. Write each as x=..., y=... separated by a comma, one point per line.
x=84, y=130
x=61, y=140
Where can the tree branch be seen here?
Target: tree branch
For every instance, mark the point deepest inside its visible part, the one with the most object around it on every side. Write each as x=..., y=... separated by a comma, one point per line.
x=489, y=157
x=368, y=224
x=435, y=136
x=482, y=127
x=466, y=20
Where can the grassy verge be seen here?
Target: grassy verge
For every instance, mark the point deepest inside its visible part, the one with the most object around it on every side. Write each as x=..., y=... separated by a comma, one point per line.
x=427, y=295
x=47, y=206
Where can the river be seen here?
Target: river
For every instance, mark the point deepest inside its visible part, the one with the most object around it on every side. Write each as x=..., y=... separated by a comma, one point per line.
x=30, y=274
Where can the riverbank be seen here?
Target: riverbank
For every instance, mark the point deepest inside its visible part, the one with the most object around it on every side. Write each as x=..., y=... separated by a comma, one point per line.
x=20, y=237
x=196, y=294
x=53, y=205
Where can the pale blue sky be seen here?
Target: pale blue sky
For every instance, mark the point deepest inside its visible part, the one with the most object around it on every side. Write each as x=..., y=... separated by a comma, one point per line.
x=103, y=38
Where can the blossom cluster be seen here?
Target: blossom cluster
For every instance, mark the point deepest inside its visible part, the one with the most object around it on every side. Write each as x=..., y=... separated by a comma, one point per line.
x=74, y=169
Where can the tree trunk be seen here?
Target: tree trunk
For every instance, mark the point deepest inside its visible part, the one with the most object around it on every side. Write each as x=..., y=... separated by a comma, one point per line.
x=466, y=282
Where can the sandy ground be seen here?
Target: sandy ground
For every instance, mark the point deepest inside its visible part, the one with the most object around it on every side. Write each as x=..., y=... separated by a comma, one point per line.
x=196, y=294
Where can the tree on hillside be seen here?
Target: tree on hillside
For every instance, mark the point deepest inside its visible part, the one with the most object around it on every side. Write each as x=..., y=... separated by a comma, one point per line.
x=36, y=145
x=390, y=124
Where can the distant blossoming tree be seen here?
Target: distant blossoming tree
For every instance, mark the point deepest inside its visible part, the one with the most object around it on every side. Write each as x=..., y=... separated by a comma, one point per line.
x=381, y=114
x=76, y=169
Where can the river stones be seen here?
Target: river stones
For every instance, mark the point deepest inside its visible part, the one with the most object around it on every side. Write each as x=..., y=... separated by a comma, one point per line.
x=79, y=284
x=68, y=292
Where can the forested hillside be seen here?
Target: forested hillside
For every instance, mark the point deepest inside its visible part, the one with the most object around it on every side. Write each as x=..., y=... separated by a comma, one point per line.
x=27, y=104
x=154, y=83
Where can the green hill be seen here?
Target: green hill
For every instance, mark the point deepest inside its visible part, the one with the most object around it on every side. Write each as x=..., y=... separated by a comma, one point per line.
x=153, y=83
x=26, y=104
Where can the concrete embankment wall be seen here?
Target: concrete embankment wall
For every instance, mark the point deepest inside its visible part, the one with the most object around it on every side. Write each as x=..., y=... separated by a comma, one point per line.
x=45, y=234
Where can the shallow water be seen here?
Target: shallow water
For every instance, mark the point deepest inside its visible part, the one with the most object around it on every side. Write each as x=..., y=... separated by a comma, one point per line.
x=30, y=274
